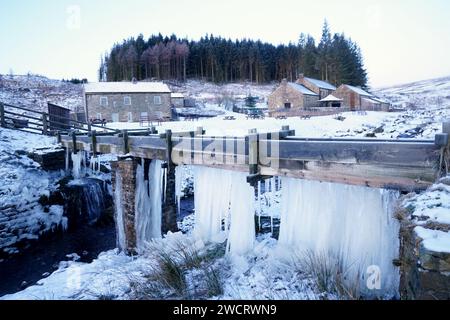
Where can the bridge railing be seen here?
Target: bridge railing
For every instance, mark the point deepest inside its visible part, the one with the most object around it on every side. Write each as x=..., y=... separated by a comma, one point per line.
x=386, y=163
x=38, y=122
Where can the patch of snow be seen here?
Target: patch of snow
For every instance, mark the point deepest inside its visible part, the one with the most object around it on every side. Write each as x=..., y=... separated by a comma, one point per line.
x=434, y=240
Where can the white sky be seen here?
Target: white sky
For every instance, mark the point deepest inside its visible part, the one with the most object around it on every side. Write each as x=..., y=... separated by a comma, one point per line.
x=401, y=40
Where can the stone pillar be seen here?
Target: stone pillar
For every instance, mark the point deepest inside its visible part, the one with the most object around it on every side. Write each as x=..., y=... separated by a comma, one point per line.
x=126, y=170
x=169, y=209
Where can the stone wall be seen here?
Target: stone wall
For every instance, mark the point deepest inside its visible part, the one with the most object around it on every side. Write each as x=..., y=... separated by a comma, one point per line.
x=127, y=170
x=287, y=94
x=140, y=102
x=49, y=159
x=323, y=93
x=349, y=97
x=425, y=272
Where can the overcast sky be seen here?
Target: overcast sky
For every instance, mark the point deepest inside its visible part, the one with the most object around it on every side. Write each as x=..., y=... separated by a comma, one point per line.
x=401, y=40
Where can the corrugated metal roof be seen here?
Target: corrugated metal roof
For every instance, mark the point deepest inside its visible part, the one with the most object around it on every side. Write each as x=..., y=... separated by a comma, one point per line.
x=126, y=87
x=359, y=91
x=321, y=84
x=302, y=89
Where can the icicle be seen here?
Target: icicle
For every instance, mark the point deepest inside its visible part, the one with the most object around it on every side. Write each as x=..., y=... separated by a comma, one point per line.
x=78, y=163
x=351, y=224
x=179, y=176
x=148, y=203
x=67, y=160
x=233, y=206
x=259, y=205
x=242, y=227
x=211, y=207
x=120, y=226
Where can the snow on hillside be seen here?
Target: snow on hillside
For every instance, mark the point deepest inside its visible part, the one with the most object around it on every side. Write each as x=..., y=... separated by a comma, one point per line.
x=22, y=183
x=427, y=94
x=34, y=92
x=211, y=92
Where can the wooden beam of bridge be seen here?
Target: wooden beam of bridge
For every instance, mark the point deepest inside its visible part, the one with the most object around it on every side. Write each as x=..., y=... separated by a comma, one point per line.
x=394, y=164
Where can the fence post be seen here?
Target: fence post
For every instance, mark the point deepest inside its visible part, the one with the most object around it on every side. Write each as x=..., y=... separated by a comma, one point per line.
x=94, y=143
x=44, y=124
x=126, y=147
x=2, y=115
x=253, y=151
x=74, y=142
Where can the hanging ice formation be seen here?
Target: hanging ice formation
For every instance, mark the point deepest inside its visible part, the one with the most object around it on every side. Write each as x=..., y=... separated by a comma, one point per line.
x=224, y=205
x=179, y=177
x=78, y=164
x=242, y=225
x=267, y=201
x=94, y=165
x=148, y=202
x=352, y=225
x=120, y=226
x=67, y=160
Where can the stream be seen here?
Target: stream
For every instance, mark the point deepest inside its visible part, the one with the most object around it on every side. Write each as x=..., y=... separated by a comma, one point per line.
x=40, y=258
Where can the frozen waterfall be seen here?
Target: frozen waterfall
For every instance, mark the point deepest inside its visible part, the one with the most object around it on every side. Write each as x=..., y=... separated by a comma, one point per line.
x=78, y=164
x=148, y=202
x=120, y=222
x=352, y=225
x=226, y=209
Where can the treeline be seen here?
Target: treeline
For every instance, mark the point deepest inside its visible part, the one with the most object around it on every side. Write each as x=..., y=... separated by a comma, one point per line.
x=335, y=58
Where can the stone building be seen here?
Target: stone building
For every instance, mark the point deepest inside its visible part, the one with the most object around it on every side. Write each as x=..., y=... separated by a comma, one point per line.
x=177, y=100
x=322, y=88
x=290, y=98
x=127, y=101
x=358, y=99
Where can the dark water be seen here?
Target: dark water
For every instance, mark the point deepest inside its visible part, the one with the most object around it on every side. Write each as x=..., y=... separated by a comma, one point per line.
x=43, y=256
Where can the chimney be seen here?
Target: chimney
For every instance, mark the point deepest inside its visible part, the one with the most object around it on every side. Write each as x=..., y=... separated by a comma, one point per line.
x=301, y=78
x=284, y=82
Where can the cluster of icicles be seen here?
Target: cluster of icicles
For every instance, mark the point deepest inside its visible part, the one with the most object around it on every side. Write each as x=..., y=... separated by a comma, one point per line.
x=79, y=166
x=352, y=225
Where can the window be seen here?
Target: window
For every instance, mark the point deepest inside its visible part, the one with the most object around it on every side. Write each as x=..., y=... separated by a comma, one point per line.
x=157, y=100
x=115, y=117
x=130, y=117
x=287, y=105
x=104, y=101
x=99, y=116
x=127, y=101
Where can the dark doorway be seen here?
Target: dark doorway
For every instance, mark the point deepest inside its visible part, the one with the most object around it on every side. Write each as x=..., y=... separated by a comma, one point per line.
x=287, y=105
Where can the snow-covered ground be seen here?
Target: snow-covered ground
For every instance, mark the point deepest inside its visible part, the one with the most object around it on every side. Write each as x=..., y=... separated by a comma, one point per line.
x=34, y=92
x=267, y=271
x=22, y=184
x=214, y=93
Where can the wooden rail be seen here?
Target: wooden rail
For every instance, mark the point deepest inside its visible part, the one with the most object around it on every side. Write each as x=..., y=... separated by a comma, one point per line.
x=29, y=120
x=405, y=165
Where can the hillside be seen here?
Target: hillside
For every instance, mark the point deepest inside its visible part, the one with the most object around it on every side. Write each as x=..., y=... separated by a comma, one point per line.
x=426, y=94
x=34, y=91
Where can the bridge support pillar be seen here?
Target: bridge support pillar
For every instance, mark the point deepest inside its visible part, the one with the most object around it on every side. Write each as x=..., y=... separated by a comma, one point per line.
x=169, y=209
x=124, y=188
